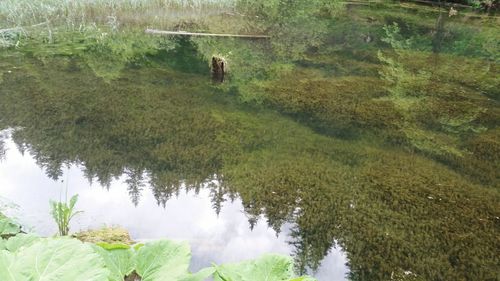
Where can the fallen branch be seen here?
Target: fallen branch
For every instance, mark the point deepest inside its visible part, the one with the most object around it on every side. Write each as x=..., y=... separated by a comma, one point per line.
x=163, y=32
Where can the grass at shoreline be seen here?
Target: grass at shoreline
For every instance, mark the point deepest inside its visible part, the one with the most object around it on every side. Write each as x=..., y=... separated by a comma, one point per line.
x=25, y=19
x=73, y=13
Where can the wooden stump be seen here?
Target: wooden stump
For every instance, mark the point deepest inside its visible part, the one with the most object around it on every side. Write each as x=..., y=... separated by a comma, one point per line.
x=219, y=68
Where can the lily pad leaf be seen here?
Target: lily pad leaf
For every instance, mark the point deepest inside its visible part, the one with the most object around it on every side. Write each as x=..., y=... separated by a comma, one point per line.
x=267, y=268
x=59, y=259
x=163, y=260
x=118, y=261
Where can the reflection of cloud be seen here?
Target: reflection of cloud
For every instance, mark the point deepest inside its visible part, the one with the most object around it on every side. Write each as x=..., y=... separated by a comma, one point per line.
x=23, y=182
x=190, y=216
x=333, y=266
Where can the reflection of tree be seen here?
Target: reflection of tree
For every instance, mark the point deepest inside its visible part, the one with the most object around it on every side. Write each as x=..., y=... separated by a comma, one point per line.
x=435, y=120
x=314, y=232
x=164, y=186
x=439, y=32
x=2, y=147
x=111, y=129
x=297, y=190
x=169, y=138
x=135, y=182
x=219, y=192
x=309, y=250
x=295, y=26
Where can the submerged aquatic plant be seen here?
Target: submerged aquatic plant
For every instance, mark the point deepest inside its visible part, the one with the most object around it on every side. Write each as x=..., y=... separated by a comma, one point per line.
x=62, y=212
x=167, y=123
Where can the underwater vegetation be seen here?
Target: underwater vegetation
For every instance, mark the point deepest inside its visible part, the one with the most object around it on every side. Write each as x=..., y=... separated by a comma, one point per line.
x=377, y=132
x=346, y=189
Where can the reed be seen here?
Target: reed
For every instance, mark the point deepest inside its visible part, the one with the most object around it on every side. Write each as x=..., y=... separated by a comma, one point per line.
x=73, y=13
x=45, y=19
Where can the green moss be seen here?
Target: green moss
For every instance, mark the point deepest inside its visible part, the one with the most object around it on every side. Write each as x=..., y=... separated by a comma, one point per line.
x=110, y=235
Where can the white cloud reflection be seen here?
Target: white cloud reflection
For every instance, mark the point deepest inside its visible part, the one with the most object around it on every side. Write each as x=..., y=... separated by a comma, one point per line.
x=223, y=238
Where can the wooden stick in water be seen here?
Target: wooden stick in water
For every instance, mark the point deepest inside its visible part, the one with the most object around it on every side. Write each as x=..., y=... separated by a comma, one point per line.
x=163, y=32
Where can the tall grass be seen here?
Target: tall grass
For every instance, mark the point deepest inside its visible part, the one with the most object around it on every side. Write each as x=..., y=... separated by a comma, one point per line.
x=15, y=13
x=20, y=19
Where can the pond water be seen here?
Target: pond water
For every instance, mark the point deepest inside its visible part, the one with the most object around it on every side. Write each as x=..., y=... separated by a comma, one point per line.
x=214, y=237
x=367, y=148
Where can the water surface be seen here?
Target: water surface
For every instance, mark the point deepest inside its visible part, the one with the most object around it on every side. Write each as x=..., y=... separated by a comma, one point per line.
x=214, y=237
x=367, y=149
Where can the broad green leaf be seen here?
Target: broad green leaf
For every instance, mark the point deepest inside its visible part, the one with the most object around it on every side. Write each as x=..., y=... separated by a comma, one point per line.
x=267, y=268
x=72, y=201
x=20, y=240
x=59, y=259
x=2, y=244
x=163, y=260
x=118, y=261
x=8, y=227
x=200, y=275
x=6, y=271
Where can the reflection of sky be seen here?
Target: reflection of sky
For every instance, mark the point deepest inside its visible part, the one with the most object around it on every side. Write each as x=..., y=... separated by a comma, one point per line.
x=223, y=238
